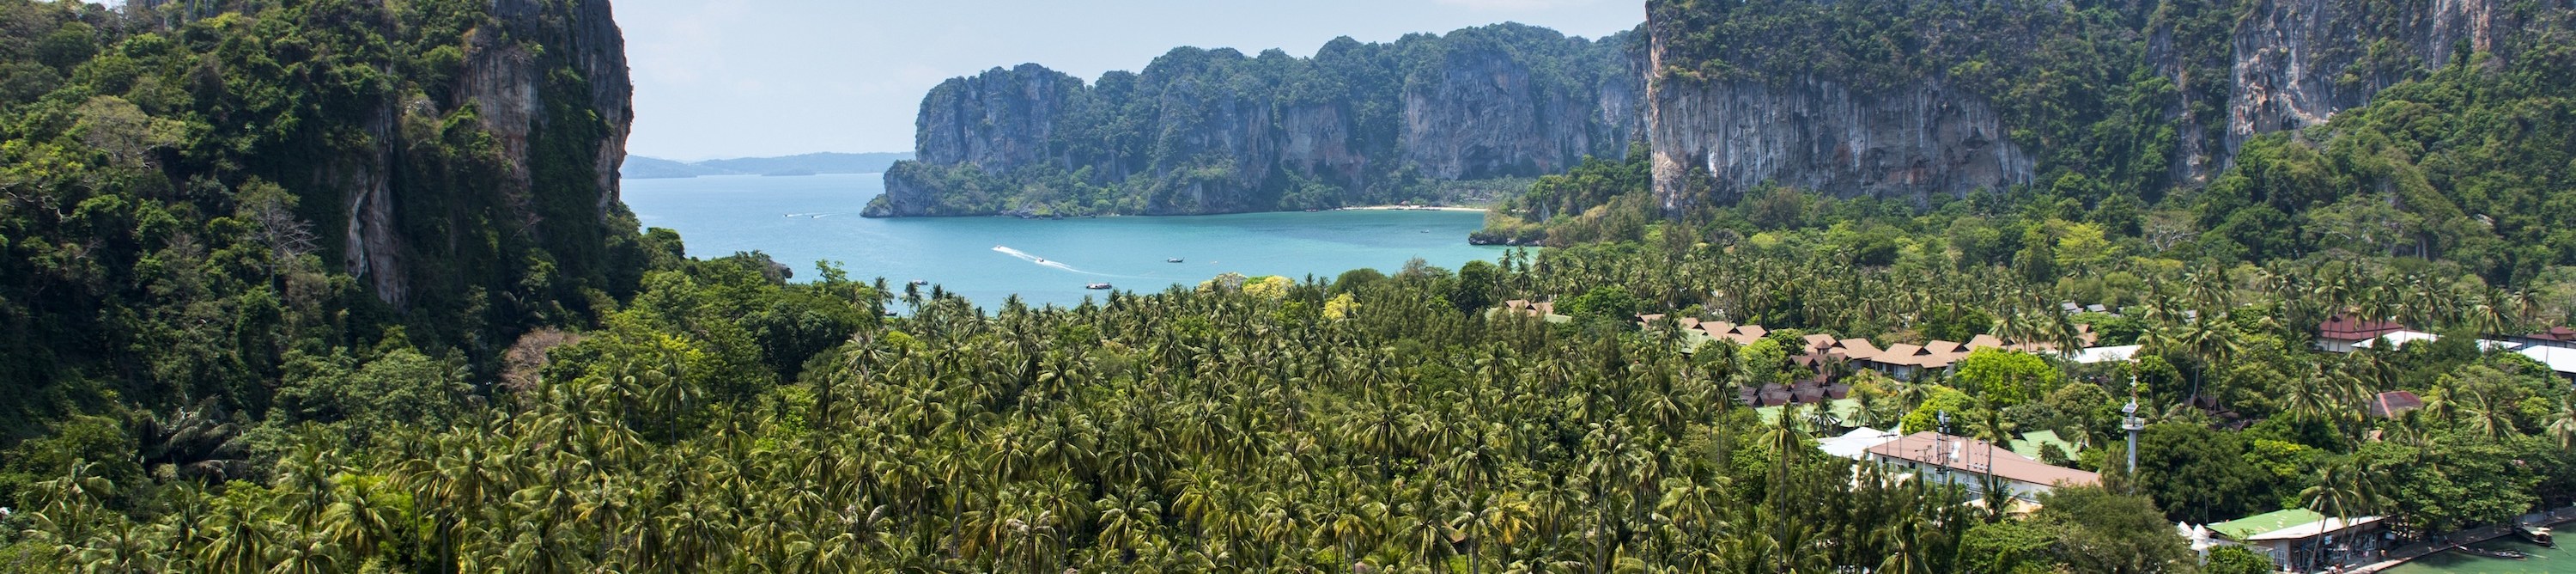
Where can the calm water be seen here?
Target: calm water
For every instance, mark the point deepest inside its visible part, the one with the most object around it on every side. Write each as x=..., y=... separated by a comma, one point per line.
x=2542, y=560
x=801, y=220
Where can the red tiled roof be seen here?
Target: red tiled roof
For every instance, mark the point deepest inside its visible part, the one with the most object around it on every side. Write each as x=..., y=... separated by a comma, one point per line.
x=2393, y=403
x=2341, y=328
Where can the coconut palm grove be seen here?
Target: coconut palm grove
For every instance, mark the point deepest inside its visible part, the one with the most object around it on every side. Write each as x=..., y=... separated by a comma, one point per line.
x=2359, y=328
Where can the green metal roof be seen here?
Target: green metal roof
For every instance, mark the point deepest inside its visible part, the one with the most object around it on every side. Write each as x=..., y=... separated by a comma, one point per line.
x=2251, y=526
x=2029, y=443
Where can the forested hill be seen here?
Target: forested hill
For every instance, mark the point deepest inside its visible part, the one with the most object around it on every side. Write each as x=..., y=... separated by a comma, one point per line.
x=197, y=197
x=1213, y=131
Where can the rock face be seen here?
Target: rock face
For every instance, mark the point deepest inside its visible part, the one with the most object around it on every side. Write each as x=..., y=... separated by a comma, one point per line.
x=1001, y=120
x=1481, y=115
x=537, y=61
x=1819, y=135
x=2300, y=61
x=2295, y=63
x=1214, y=131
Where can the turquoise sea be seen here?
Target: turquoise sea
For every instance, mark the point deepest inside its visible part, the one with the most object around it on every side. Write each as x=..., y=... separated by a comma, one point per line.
x=802, y=220
x=2542, y=560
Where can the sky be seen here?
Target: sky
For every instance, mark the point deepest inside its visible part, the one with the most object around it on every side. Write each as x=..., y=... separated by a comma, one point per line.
x=738, y=78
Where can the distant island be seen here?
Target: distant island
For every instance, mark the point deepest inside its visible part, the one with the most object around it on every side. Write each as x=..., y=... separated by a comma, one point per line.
x=641, y=167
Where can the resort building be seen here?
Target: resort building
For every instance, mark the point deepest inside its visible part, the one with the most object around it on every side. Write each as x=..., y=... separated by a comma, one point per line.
x=2301, y=540
x=1855, y=445
x=1975, y=463
x=2339, y=334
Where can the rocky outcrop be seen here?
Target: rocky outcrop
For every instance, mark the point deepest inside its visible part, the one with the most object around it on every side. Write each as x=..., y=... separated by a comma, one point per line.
x=1214, y=131
x=532, y=60
x=2298, y=62
x=1480, y=115
x=1820, y=135
x=1001, y=119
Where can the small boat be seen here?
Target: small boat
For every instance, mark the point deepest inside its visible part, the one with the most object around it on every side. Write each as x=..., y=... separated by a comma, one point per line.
x=2498, y=554
x=2539, y=535
x=921, y=282
x=1172, y=260
x=1096, y=286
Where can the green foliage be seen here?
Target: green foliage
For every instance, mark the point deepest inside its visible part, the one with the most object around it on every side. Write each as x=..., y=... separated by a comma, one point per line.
x=397, y=391
x=2233, y=559
x=2102, y=531
x=1611, y=302
x=1943, y=400
x=186, y=183
x=2202, y=475
x=2006, y=378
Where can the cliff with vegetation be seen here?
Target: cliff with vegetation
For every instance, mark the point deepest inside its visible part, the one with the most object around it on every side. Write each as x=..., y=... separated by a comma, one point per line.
x=203, y=196
x=1215, y=131
x=2233, y=130
x=1907, y=100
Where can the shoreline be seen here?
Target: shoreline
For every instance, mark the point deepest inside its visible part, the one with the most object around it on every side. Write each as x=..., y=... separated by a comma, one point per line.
x=1410, y=208
x=2467, y=537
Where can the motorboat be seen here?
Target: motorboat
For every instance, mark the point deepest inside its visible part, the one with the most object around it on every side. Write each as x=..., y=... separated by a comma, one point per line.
x=2539, y=535
x=1097, y=286
x=1172, y=260
x=921, y=282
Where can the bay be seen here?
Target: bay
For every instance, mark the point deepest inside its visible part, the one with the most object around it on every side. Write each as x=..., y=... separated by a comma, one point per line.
x=801, y=220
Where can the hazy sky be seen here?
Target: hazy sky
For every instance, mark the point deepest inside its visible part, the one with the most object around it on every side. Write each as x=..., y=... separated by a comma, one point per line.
x=737, y=78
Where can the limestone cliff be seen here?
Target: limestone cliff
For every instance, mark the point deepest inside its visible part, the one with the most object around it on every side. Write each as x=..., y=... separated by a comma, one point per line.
x=2300, y=61
x=1908, y=143
x=1215, y=131
x=1735, y=104
x=548, y=83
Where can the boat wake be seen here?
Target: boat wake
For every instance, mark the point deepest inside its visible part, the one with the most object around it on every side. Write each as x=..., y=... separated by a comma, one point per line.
x=1025, y=256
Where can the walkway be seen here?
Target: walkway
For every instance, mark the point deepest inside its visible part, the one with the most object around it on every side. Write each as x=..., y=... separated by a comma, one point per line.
x=2466, y=537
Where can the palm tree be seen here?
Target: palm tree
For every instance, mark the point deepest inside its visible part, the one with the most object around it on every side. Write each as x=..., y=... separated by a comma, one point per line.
x=2562, y=426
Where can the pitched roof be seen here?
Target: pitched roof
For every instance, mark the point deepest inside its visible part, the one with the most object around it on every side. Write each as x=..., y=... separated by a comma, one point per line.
x=1859, y=348
x=2341, y=328
x=2393, y=403
x=1976, y=456
x=1985, y=342
x=1820, y=341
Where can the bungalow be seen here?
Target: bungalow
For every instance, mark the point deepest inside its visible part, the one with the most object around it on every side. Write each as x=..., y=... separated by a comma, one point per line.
x=1974, y=463
x=2339, y=333
x=2302, y=540
x=1543, y=310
